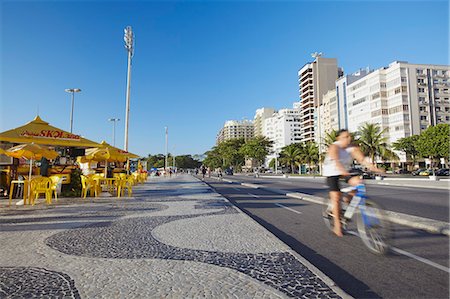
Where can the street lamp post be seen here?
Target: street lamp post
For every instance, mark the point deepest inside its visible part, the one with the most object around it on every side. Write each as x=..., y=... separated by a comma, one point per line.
x=129, y=45
x=73, y=91
x=114, y=120
x=166, y=162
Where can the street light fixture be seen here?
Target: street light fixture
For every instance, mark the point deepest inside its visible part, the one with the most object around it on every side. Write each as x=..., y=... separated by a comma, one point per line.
x=129, y=45
x=73, y=91
x=114, y=120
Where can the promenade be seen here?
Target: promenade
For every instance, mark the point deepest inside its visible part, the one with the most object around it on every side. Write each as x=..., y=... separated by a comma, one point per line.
x=175, y=238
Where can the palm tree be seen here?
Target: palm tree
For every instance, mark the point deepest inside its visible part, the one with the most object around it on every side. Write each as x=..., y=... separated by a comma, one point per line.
x=373, y=143
x=291, y=154
x=311, y=153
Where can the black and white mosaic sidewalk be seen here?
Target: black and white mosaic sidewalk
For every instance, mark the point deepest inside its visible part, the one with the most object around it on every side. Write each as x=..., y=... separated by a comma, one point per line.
x=175, y=239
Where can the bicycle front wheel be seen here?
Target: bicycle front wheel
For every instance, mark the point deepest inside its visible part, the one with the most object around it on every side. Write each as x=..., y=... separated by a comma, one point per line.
x=373, y=227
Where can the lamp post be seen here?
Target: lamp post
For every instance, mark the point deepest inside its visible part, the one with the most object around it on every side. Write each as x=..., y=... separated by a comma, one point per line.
x=166, y=162
x=73, y=91
x=129, y=45
x=114, y=120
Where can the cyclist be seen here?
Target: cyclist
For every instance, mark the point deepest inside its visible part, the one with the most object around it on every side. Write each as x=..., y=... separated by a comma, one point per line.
x=337, y=166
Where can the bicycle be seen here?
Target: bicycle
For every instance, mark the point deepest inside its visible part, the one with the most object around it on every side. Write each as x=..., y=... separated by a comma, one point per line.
x=372, y=225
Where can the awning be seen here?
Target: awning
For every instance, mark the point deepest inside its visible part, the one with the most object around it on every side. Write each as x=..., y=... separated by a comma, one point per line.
x=40, y=132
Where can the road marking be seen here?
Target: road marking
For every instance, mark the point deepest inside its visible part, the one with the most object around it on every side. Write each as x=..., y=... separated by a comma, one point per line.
x=413, y=256
x=255, y=196
x=287, y=208
x=421, y=259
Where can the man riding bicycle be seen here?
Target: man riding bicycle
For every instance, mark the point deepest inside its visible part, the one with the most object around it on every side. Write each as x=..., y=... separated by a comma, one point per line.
x=337, y=166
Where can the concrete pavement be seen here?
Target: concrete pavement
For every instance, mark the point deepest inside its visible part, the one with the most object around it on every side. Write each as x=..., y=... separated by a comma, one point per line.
x=176, y=238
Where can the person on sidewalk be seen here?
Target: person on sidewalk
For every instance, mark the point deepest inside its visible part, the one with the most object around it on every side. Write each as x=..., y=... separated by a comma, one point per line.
x=203, y=172
x=337, y=165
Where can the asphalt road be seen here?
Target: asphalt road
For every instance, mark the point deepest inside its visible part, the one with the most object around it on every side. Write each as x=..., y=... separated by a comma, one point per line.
x=428, y=203
x=418, y=268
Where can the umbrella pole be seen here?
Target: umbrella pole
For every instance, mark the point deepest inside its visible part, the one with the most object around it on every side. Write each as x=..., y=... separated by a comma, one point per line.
x=29, y=181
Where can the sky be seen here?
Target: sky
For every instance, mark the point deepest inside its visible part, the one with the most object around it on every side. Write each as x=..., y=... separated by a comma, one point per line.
x=196, y=63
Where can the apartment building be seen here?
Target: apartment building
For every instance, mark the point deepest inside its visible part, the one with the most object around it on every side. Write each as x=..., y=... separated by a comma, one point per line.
x=341, y=95
x=283, y=128
x=315, y=79
x=328, y=114
x=233, y=129
x=403, y=98
x=258, y=121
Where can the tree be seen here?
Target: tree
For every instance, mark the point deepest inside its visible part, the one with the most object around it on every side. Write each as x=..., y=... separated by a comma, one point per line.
x=291, y=155
x=434, y=142
x=373, y=143
x=409, y=146
x=229, y=150
x=186, y=162
x=311, y=153
x=257, y=148
x=213, y=158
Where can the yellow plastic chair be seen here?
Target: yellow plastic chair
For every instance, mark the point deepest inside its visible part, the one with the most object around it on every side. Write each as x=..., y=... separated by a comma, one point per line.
x=88, y=185
x=41, y=185
x=123, y=184
x=56, y=185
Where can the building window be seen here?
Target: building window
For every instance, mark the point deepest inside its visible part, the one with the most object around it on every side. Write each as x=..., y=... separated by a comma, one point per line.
x=421, y=89
x=423, y=117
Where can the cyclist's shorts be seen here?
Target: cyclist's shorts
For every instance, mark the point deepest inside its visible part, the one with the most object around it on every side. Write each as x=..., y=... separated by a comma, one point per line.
x=333, y=182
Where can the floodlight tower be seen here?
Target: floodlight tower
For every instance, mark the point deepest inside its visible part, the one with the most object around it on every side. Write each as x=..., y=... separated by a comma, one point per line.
x=129, y=45
x=72, y=91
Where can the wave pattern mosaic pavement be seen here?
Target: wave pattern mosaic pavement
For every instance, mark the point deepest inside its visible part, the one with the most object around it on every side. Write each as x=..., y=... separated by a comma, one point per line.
x=27, y=282
x=132, y=239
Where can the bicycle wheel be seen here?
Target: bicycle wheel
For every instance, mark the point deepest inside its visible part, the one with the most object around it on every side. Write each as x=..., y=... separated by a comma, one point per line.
x=327, y=215
x=373, y=227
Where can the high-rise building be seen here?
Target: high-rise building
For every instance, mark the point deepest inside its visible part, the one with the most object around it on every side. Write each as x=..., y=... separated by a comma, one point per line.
x=341, y=95
x=315, y=79
x=403, y=98
x=328, y=113
x=233, y=129
x=283, y=128
x=258, y=121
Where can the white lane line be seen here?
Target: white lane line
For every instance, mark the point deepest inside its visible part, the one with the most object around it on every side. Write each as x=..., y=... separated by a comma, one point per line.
x=410, y=255
x=287, y=208
x=255, y=196
x=421, y=259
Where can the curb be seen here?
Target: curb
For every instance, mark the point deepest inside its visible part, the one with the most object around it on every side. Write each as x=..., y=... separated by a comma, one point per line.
x=328, y=281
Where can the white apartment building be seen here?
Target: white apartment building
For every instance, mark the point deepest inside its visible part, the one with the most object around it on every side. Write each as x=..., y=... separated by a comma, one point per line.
x=341, y=95
x=329, y=116
x=283, y=128
x=233, y=129
x=258, y=121
x=315, y=79
x=404, y=99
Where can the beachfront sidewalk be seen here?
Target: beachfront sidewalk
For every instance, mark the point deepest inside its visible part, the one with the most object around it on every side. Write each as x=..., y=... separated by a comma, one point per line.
x=176, y=238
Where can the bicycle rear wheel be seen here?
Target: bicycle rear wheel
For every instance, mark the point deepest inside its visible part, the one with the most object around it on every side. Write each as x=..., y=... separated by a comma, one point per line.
x=328, y=218
x=373, y=227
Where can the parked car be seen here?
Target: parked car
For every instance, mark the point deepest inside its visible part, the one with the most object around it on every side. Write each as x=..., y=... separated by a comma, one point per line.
x=443, y=172
x=228, y=171
x=364, y=174
x=402, y=171
x=416, y=172
x=426, y=172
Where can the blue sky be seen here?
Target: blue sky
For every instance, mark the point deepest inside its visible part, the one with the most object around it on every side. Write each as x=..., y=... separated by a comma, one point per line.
x=196, y=63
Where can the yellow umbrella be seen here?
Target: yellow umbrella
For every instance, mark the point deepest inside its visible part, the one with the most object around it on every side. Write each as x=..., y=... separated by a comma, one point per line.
x=40, y=132
x=31, y=151
x=108, y=153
